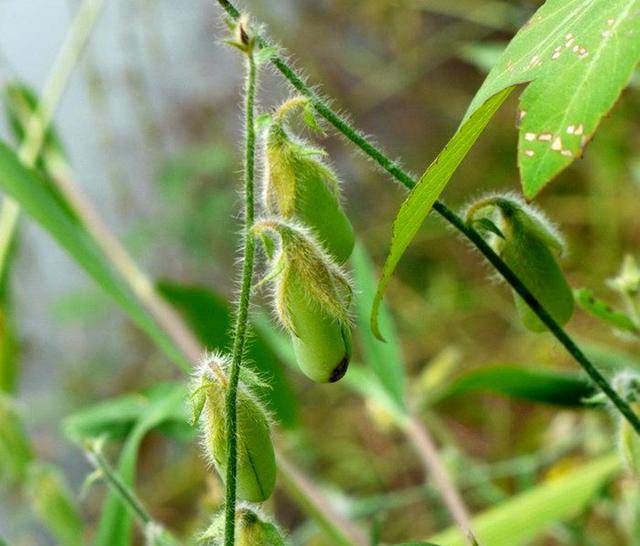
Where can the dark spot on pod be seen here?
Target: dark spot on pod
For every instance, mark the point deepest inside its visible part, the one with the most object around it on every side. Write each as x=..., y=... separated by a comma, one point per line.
x=339, y=370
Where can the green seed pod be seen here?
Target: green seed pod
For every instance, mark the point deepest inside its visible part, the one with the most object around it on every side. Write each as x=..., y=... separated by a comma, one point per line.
x=252, y=529
x=298, y=185
x=256, y=471
x=525, y=240
x=312, y=297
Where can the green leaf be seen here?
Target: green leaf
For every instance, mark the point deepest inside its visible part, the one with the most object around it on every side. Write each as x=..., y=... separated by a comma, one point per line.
x=116, y=522
x=116, y=417
x=209, y=317
x=549, y=387
x=15, y=448
x=422, y=197
x=385, y=359
x=576, y=57
x=602, y=310
x=54, y=505
x=28, y=189
x=526, y=515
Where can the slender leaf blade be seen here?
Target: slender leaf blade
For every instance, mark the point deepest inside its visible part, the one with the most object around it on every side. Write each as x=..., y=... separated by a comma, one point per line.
x=385, y=359
x=526, y=515
x=422, y=197
x=27, y=188
x=535, y=385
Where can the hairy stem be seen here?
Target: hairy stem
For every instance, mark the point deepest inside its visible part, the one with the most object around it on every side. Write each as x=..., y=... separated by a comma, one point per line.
x=75, y=41
x=391, y=167
x=242, y=314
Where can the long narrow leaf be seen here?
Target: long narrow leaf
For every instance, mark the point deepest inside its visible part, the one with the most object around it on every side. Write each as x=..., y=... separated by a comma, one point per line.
x=527, y=515
x=27, y=188
x=422, y=197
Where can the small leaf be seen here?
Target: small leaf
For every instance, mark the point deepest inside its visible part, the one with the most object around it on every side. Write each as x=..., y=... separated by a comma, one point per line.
x=265, y=54
x=262, y=122
x=575, y=57
x=310, y=119
x=488, y=225
x=603, y=311
x=422, y=197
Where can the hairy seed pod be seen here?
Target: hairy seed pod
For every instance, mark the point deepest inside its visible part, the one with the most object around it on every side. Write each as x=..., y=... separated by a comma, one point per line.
x=312, y=298
x=256, y=470
x=252, y=529
x=525, y=242
x=298, y=185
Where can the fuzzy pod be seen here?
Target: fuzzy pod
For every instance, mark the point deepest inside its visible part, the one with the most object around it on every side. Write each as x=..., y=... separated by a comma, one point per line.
x=321, y=343
x=298, y=185
x=252, y=529
x=312, y=297
x=256, y=465
x=526, y=243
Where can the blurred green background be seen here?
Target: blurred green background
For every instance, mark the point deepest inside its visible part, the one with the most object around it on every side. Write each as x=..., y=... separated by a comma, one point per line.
x=151, y=123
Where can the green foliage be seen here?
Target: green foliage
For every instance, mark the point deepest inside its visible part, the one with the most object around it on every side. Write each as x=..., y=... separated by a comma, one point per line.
x=385, y=360
x=535, y=385
x=422, y=197
x=130, y=417
x=27, y=188
x=524, y=516
x=602, y=310
x=54, y=505
x=15, y=447
x=575, y=57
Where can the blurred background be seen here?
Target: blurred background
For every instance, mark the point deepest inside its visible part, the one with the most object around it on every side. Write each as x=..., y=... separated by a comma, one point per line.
x=151, y=123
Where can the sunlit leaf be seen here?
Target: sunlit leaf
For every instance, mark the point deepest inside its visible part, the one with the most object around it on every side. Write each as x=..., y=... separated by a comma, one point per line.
x=576, y=57
x=526, y=515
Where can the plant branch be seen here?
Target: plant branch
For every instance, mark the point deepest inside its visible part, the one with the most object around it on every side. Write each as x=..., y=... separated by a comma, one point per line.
x=428, y=452
x=242, y=314
x=75, y=41
x=391, y=167
x=341, y=530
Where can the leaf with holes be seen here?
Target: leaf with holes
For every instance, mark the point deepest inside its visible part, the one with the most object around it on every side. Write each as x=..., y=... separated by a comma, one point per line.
x=576, y=56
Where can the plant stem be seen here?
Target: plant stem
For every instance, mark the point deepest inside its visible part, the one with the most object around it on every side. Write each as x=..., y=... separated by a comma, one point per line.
x=75, y=41
x=241, y=324
x=391, y=167
x=429, y=454
x=128, y=497
x=340, y=530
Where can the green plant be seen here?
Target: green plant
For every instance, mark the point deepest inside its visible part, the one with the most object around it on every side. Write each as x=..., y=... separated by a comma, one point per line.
x=575, y=58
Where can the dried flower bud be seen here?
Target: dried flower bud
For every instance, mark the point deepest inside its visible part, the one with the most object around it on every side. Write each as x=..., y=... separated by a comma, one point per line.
x=256, y=472
x=627, y=282
x=312, y=297
x=243, y=36
x=252, y=529
x=298, y=185
x=525, y=239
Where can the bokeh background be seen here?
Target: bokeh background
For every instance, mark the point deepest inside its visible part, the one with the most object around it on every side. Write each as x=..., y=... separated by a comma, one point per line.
x=151, y=123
